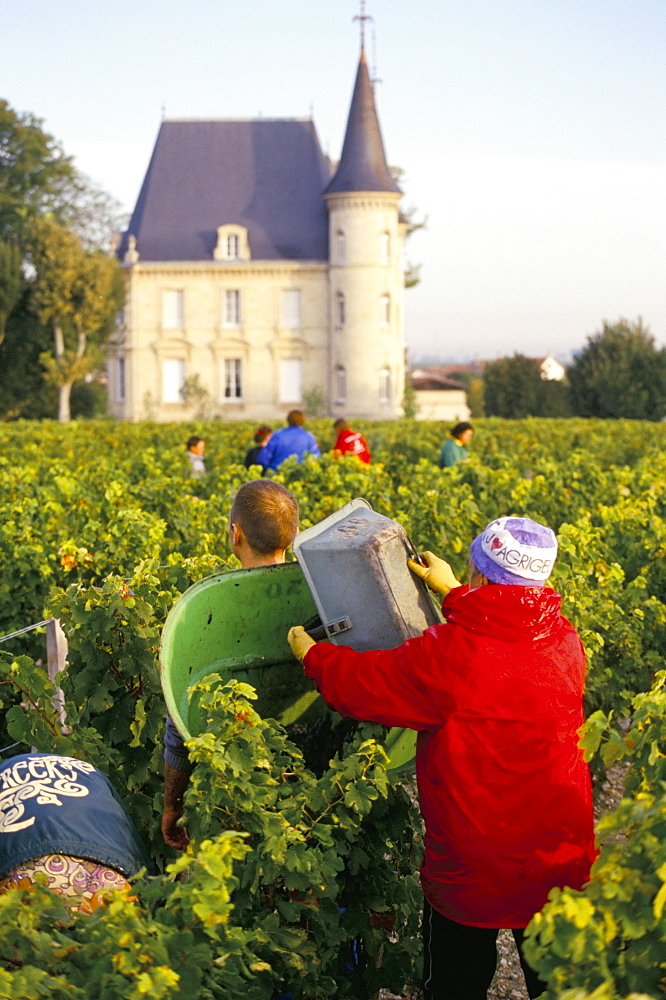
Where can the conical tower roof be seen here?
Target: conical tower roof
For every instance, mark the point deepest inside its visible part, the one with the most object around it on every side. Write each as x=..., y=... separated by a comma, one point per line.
x=363, y=164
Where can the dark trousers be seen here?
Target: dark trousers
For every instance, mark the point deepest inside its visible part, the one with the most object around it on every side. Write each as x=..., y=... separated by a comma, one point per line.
x=459, y=961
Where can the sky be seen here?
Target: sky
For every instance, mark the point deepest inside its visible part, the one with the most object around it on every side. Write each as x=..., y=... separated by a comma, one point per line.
x=532, y=135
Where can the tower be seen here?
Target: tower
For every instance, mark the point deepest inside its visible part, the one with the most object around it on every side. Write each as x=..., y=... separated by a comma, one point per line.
x=366, y=282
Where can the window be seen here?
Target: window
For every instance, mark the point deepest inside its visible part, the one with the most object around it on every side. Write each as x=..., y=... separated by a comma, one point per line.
x=291, y=309
x=233, y=246
x=231, y=243
x=384, y=386
x=384, y=310
x=384, y=249
x=120, y=383
x=291, y=377
x=341, y=309
x=172, y=310
x=173, y=380
x=233, y=378
x=340, y=384
x=232, y=307
x=341, y=247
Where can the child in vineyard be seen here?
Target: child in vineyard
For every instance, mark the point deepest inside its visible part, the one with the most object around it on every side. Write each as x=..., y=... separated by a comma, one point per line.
x=194, y=449
x=263, y=523
x=495, y=694
x=261, y=438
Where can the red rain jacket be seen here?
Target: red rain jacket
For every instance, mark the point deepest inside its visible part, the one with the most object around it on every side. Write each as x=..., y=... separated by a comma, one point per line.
x=352, y=443
x=496, y=696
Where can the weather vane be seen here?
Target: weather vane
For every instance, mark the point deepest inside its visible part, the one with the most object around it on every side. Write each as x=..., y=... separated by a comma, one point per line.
x=362, y=17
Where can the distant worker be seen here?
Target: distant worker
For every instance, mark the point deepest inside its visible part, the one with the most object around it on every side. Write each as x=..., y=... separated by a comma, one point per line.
x=455, y=448
x=194, y=449
x=350, y=442
x=290, y=441
x=60, y=818
x=263, y=522
x=261, y=438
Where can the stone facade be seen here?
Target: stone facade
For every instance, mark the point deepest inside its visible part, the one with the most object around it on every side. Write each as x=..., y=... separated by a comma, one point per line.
x=269, y=308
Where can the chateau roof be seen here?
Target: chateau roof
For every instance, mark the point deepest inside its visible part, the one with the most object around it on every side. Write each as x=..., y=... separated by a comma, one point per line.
x=434, y=382
x=267, y=175
x=362, y=164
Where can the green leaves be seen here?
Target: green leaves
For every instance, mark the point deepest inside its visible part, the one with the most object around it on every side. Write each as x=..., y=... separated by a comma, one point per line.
x=286, y=868
x=611, y=936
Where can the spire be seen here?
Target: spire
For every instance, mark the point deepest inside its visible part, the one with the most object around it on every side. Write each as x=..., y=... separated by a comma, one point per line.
x=363, y=164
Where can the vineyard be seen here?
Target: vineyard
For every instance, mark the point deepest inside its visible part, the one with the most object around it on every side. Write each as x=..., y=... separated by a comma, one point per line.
x=295, y=883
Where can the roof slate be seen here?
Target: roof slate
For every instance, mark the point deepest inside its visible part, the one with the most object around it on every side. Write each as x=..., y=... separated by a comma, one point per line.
x=362, y=164
x=267, y=175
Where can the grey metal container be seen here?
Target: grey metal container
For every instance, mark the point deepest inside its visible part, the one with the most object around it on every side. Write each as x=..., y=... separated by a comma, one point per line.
x=355, y=563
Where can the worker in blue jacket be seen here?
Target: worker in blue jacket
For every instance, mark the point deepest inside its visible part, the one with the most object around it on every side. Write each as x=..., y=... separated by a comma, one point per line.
x=290, y=441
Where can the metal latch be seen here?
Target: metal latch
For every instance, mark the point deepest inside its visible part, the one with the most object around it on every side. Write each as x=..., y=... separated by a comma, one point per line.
x=334, y=628
x=317, y=631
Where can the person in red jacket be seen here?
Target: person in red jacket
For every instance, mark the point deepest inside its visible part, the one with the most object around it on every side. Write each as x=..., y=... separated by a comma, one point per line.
x=495, y=694
x=350, y=442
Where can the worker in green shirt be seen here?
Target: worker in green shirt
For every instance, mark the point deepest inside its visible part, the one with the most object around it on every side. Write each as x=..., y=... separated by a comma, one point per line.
x=455, y=448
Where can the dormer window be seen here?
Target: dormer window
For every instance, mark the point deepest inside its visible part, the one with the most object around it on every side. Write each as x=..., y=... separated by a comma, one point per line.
x=232, y=243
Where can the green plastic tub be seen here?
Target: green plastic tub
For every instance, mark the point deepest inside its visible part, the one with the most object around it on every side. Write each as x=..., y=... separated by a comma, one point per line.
x=235, y=624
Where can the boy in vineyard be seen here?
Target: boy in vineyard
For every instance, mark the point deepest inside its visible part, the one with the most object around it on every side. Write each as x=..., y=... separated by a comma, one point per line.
x=495, y=694
x=263, y=522
x=195, y=447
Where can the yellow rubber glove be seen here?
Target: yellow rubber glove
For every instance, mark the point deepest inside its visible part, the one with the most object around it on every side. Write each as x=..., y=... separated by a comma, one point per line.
x=437, y=573
x=299, y=641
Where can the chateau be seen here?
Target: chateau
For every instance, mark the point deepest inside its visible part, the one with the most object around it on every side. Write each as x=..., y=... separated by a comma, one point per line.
x=260, y=276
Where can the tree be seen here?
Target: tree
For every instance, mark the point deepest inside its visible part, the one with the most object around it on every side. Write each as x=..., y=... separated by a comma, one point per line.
x=35, y=173
x=76, y=294
x=410, y=406
x=408, y=216
x=38, y=181
x=620, y=373
x=474, y=389
x=511, y=387
x=11, y=280
x=514, y=388
x=23, y=393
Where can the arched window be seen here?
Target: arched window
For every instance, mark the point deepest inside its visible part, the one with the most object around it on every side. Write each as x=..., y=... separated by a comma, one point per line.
x=384, y=385
x=341, y=248
x=385, y=248
x=384, y=310
x=340, y=384
x=341, y=309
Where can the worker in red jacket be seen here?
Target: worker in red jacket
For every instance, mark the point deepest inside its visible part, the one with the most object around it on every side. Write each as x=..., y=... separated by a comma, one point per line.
x=349, y=442
x=495, y=694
